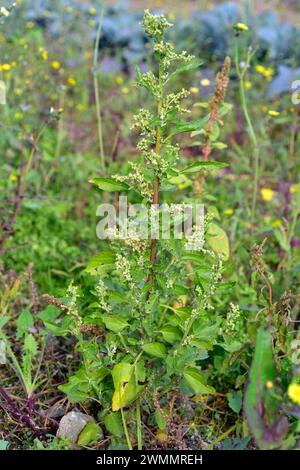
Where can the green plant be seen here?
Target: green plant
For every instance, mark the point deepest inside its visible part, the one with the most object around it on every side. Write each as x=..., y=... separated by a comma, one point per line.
x=146, y=344
x=266, y=408
x=27, y=368
x=241, y=70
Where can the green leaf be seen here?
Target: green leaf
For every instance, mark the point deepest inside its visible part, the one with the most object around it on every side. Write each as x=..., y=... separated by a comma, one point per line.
x=105, y=259
x=138, y=72
x=61, y=328
x=219, y=145
x=199, y=166
x=262, y=407
x=281, y=237
x=205, y=331
x=218, y=240
x=186, y=68
x=196, y=381
x=126, y=385
x=109, y=184
x=186, y=126
x=171, y=334
x=114, y=323
x=3, y=444
x=160, y=420
x=235, y=400
x=90, y=433
x=113, y=424
x=49, y=314
x=225, y=108
x=81, y=386
x=121, y=373
x=30, y=344
x=155, y=349
x=24, y=322
x=3, y=321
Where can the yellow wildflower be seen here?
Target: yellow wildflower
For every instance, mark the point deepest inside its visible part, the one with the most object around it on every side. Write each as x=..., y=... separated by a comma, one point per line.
x=171, y=16
x=267, y=194
x=119, y=79
x=44, y=54
x=180, y=186
x=247, y=84
x=56, y=65
x=264, y=109
x=260, y=69
x=6, y=67
x=229, y=212
x=294, y=188
x=13, y=178
x=294, y=393
x=125, y=90
x=273, y=113
x=72, y=81
x=92, y=11
x=205, y=82
x=194, y=90
x=269, y=71
x=14, y=63
x=30, y=24
x=277, y=223
x=269, y=384
x=241, y=27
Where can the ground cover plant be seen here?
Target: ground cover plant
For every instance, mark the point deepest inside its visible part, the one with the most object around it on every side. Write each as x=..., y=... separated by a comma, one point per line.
x=184, y=339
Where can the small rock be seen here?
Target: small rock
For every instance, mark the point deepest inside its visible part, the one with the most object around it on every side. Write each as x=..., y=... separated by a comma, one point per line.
x=72, y=424
x=55, y=411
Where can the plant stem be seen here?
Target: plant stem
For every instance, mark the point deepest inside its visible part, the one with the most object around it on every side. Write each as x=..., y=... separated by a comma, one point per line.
x=16, y=364
x=126, y=430
x=19, y=416
x=139, y=425
x=97, y=90
x=250, y=129
x=293, y=138
x=30, y=159
x=222, y=437
x=155, y=199
x=60, y=130
x=207, y=148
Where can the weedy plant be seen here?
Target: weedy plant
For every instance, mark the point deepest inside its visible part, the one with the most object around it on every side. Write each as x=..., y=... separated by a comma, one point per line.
x=27, y=368
x=145, y=337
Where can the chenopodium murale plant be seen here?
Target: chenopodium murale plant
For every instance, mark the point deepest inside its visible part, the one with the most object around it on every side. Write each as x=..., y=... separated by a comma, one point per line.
x=155, y=317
